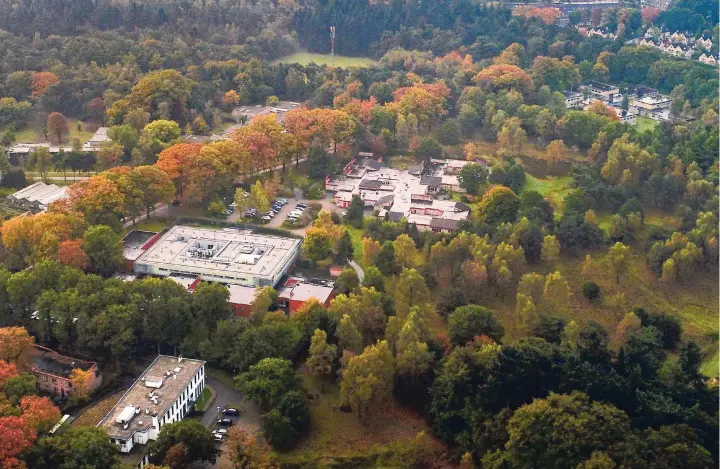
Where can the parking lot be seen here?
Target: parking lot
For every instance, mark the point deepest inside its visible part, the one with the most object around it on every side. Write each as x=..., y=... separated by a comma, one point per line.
x=277, y=220
x=225, y=396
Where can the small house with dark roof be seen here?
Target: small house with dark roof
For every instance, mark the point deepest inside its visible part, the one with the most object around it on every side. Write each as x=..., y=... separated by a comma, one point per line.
x=53, y=371
x=444, y=225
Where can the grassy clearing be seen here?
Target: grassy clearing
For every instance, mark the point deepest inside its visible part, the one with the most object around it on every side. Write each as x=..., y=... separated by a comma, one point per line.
x=336, y=433
x=403, y=162
x=153, y=224
x=30, y=135
x=305, y=58
x=711, y=366
x=645, y=123
x=94, y=414
x=356, y=234
x=223, y=376
x=553, y=188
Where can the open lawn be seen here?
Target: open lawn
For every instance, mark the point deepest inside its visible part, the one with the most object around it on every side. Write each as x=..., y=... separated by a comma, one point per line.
x=30, y=135
x=153, y=224
x=553, y=188
x=645, y=123
x=305, y=58
x=356, y=234
x=94, y=414
x=334, y=433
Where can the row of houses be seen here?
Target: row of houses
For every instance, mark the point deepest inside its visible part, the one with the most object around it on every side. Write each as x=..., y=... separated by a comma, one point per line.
x=643, y=102
x=679, y=44
x=414, y=194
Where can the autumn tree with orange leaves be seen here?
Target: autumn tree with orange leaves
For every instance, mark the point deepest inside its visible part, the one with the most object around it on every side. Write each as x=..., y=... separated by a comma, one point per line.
x=71, y=254
x=320, y=127
x=599, y=108
x=7, y=371
x=41, y=81
x=39, y=412
x=206, y=176
x=99, y=199
x=547, y=15
x=13, y=341
x=503, y=76
x=15, y=436
x=80, y=381
x=175, y=160
x=36, y=237
x=426, y=101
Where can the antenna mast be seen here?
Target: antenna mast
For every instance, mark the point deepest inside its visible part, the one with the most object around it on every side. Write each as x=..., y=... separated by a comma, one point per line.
x=332, y=45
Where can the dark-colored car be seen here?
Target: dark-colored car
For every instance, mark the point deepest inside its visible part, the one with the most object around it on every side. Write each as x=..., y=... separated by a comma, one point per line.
x=231, y=411
x=225, y=423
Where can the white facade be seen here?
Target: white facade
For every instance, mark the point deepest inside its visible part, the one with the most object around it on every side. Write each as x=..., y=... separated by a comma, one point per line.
x=164, y=394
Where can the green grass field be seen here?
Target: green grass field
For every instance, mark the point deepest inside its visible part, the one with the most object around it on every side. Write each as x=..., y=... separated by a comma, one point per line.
x=30, y=135
x=556, y=188
x=356, y=235
x=645, y=123
x=153, y=224
x=304, y=58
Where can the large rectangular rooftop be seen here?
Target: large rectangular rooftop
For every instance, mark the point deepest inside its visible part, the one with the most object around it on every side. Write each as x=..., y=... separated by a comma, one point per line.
x=165, y=378
x=222, y=256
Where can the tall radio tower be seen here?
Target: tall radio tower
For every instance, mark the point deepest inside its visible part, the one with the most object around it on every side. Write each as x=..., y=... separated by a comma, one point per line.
x=332, y=45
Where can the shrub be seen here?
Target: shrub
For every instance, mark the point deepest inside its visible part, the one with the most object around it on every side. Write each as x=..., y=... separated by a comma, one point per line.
x=316, y=190
x=591, y=290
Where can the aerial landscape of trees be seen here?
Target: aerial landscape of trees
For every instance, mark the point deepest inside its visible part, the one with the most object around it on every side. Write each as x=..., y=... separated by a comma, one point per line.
x=569, y=322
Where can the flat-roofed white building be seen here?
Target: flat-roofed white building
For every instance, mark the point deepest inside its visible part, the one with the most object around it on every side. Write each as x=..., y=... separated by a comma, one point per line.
x=225, y=256
x=647, y=104
x=163, y=394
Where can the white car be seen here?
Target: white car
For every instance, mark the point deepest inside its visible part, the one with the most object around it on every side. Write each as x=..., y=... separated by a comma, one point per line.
x=296, y=213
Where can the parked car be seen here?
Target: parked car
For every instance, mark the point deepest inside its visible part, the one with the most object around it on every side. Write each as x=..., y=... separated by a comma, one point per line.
x=282, y=201
x=225, y=423
x=276, y=207
x=302, y=205
x=266, y=219
x=35, y=316
x=219, y=437
x=221, y=431
x=250, y=213
x=231, y=411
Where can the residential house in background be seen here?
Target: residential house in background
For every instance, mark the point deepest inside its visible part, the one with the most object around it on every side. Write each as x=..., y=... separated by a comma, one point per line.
x=53, y=371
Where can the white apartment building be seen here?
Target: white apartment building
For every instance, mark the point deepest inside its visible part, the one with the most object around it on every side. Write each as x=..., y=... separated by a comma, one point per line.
x=164, y=393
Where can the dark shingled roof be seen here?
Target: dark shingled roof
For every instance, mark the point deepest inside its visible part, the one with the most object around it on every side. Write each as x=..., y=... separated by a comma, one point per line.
x=385, y=199
x=432, y=181
x=461, y=207
x=444, y=224
x=395, y=216
x=370, y=184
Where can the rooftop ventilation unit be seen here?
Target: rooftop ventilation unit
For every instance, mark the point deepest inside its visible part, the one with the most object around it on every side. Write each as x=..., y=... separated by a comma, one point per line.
x=153, y=382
